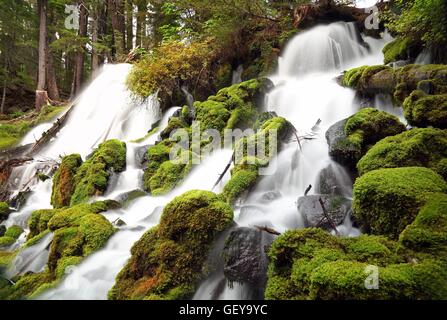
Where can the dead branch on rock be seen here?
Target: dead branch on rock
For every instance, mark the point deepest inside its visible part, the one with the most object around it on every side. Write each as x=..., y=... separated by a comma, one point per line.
x=222, y=175
x=308, y=190
x=268, y=230
x=328, y=218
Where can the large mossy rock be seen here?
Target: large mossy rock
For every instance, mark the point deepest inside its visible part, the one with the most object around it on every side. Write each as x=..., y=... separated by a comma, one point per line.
x=312, y=264
x=416, y=147
x=78, y=232
x=245, y=256
x=341, y=149
x=400, y=82
x=428, y=233
x=76, y=182
x=246, y=171
x=387, y=200
x=64, y=181
x=422, y=110
x=10, y=236
x=338, y=208
x=400, y=49
x=169, y=260
x=370, y=125
x=93, y=175
x=351, y=138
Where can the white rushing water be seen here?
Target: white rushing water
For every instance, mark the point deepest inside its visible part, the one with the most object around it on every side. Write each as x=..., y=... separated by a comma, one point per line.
x=305, y=92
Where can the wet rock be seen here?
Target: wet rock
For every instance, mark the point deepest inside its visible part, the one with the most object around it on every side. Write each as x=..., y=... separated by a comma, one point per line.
x=119, y=223
x=340, y=148
x=245, y=256
x=310, y=208
x=271, y=196
x=2, y=230
x=334, y=180
x=140, y=154
x=128, y=197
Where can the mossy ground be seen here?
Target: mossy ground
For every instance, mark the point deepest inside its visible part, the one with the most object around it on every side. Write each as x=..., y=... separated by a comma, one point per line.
x=12, y=131
x=169, y=260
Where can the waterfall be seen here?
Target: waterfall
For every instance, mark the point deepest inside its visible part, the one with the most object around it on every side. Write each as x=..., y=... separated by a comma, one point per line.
x=305, y=92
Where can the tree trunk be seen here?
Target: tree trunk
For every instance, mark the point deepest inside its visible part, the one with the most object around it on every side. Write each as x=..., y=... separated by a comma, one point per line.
x=53, y=90
x=129, y=25
x=41, y=93
x=116, y=8
x=79, y=64
x=141, y=22
x=95, y=38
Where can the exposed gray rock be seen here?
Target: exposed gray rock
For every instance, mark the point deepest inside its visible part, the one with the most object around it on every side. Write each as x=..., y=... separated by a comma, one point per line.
x=245, y=256
x=340, y=148
x=334, y=180
x=310, y=208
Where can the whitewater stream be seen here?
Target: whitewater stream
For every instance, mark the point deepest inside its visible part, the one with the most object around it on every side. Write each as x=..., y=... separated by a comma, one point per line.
x=305, y=92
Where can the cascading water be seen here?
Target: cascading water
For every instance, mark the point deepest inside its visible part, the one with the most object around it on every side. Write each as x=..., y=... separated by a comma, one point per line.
x=305, y=92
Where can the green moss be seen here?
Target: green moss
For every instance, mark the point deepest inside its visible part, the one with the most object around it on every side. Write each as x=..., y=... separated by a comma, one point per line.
x=13, y=131
x=387, y=200
x=64, y=181
x=6, y=241
x=416, y=147
x=168, y=176
x=4, y=211
x=14, y=232
x=352, y=77
x=370, y=125
x=245, y=173
x=92, y=177
x=169, y=260
x=78, y=231
x=312, y=264
x=396, y=50
x=6, y=258
x=174, y=124
x=428, y=233
x=423, y=110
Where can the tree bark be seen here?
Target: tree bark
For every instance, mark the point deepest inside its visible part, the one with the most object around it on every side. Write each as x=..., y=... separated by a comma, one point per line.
x=80, y=55
x=53, y=90
x=116, y=8
x=141, y=22
x=95, y=39
x=129, y=25
x=41, y=93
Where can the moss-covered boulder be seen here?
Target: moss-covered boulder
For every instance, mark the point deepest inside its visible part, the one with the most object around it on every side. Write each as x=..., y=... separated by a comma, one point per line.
x=10, y=236
x=169, y=260
x=387, y=200
x=92, y=177
x=163, y=174
x=398, y=49
x=232, y=107
x=341, y=149
x=400, y=82
x=4, y=211
x=422, y=110
x=428, y=232
x=246, y=170
x=311, y=264
x=369, y=126
x=349, y=139
x=416, y=147
x=64, y=181
x=78, y=232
